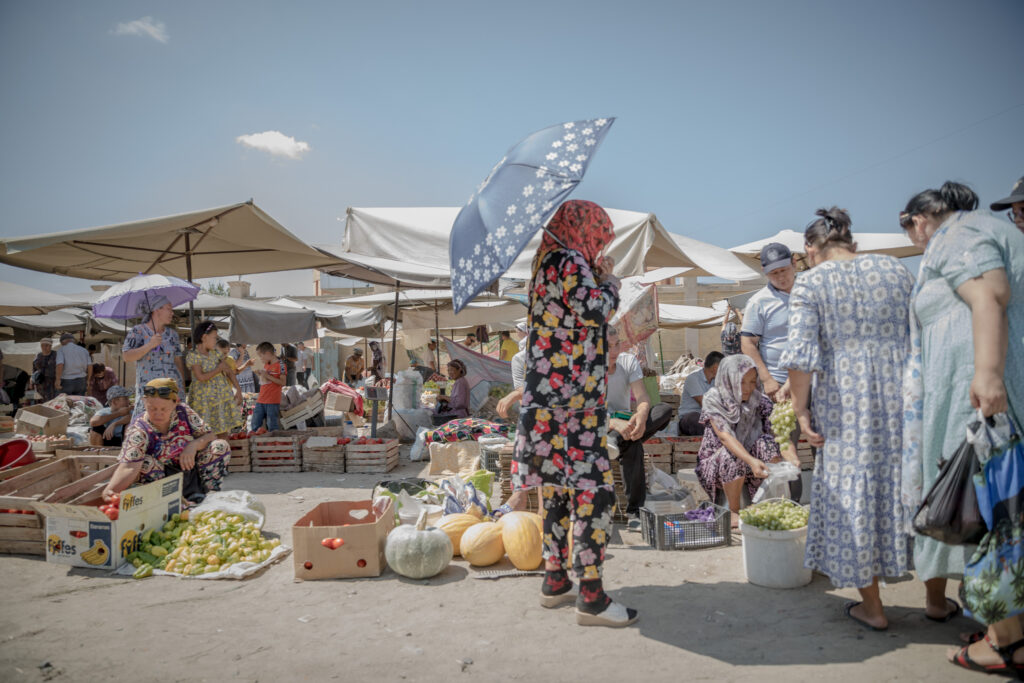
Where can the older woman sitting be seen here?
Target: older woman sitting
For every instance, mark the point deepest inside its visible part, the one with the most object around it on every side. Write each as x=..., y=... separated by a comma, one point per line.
x=738, y=439
x=456, y=405
x=167, y=438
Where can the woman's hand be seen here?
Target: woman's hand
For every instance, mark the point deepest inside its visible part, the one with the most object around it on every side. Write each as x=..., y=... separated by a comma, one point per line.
x=108, y=495
x=238, y=399
x=504, y=404
x=153, y=342
x=988, y=392
x=758, y=468
x=813, y=437
x=108, y=433
x=188, y=455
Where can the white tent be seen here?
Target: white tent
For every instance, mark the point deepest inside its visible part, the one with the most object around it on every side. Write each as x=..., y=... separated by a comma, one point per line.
x=893, y=243
x=252, y=322
x=410, y=246
x=423, y=309
x=365, y=322
x=21, y=300
x=675, y=316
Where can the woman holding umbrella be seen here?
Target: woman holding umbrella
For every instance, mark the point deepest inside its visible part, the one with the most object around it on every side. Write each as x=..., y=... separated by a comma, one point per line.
x=154, y=346
x=562, y=439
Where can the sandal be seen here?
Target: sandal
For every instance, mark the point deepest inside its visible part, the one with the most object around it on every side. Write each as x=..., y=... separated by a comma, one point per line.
x=963, y=660
x=850, y=606
x=972, y=638
x=950, y=615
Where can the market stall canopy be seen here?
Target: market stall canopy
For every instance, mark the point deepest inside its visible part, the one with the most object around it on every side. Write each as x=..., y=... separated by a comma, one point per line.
x=21, y=300
x=410, y=246
x=422, y=309
x=893, y=243
x=365, y=322
x=252, y=322
x=676, y=316
x=227, y=240
x=71, y=319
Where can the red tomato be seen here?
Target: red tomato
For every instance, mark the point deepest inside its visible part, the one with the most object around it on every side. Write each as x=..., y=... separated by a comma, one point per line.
x=361, y=563
x=308, y=565
x=337, y=543
x=326, y=543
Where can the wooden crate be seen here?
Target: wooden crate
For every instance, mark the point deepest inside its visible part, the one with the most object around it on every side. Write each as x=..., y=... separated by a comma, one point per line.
x=240, y=458
x=658, y=447
x=39, y=447
x=88, y=450
x=276, y=453
x=324, y=458
x=684, y=451
x=806, y=454
x=64, y=480
x=311, y=407
x=371, y=457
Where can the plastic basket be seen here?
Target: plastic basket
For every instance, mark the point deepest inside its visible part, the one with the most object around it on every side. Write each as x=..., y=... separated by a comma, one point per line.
x=664, y=525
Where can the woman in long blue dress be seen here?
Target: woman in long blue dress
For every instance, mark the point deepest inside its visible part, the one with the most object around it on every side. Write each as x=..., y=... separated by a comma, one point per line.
x=967, y=352
x=848, y=325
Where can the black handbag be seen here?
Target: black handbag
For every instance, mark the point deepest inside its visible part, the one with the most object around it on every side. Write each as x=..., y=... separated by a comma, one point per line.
x=949, y=511
x=190, y=487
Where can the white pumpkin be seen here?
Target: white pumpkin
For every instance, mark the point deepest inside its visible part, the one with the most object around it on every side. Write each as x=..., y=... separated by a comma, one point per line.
x=418, y=552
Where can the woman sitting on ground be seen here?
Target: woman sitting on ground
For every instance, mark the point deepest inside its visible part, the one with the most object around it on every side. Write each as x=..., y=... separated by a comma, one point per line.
x=167, y=438
x=738, y=440
x=455, y=405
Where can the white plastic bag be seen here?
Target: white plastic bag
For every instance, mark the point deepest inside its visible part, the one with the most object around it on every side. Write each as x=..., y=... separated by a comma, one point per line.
x=234, y=502
x=663, y=486
x=419, y=447
x=776, y=484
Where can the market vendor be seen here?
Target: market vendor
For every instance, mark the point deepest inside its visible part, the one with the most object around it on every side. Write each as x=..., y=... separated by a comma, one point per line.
x=455, y=405
x=107, y=424
x=354, y=366
x=167, y=438
x=738, y=443
x=101, y=380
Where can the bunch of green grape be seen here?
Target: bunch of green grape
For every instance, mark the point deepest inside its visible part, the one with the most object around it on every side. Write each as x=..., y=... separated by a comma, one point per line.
x=775, y=515
x=783, y=421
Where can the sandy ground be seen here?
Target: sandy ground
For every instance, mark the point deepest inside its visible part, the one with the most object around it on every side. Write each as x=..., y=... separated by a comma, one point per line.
x=700, y=620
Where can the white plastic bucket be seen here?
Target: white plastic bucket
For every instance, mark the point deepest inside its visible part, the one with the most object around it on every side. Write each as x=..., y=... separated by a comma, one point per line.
x=775, y=559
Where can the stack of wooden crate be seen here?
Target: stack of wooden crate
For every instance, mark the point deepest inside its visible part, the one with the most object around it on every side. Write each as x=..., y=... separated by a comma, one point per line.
x=684, y=451
x=324, y=454
x=505, y=455
x=658, y=453
x=371, y=458
x=240, y=456
x=276, y=453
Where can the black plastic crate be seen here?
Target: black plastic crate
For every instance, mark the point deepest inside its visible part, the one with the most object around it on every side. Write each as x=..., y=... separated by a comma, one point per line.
x=665, y=526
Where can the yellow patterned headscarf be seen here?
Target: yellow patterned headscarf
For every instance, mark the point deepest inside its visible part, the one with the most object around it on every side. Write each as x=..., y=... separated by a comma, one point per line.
x=164, y=382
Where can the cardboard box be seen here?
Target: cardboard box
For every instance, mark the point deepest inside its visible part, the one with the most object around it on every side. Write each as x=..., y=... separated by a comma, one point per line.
x=339, y=402
x=354, y=522
x=41, y=421
x=82, y=536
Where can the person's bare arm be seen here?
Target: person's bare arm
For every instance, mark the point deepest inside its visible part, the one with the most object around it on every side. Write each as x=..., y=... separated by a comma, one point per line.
x=800, y=386
x=643, y=409
x=133, y=355
x=508, y=400
x=750, y=346
x=988, y=297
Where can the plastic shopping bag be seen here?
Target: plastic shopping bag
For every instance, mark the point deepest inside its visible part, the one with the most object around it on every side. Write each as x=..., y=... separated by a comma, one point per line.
x=776, y=484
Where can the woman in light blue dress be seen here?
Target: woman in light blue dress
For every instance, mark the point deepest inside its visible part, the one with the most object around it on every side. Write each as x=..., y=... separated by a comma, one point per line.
x=848, y=326
x=967, y=352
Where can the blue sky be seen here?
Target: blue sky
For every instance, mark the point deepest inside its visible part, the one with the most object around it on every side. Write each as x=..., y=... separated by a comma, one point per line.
x=735, y=118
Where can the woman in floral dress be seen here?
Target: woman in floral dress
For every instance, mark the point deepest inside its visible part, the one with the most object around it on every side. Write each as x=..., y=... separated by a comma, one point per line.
x=562, y=436
x=211, y=393
x=848, y=325
x=169, y=437
x=154, y=347
x=967, y=354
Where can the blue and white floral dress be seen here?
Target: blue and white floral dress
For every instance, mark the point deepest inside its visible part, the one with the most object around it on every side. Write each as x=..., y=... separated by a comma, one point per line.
x=848, y=324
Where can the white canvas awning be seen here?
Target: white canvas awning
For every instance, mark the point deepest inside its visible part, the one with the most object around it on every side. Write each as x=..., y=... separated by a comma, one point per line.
x=676, y=316
x=365, y=322
x=252, y=322
x=410, y=246
x=21, y=300
x=218, y=242
x=893, y=243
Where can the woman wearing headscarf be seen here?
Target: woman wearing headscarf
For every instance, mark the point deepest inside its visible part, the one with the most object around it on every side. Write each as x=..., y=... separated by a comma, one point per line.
x=166, y=438
x=738, y=440
x=456, y=404
x=848, y=329
x=562, y=437
x=154, y=347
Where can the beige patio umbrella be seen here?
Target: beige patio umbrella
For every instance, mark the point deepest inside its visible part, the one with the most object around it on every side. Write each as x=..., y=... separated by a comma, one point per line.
x=218, y=242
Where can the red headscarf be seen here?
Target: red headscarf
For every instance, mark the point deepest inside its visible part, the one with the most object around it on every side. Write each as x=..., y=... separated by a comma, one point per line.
x=580, y=225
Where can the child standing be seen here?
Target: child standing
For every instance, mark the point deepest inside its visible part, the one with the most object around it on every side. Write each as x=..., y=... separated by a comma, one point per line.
x=272, y=378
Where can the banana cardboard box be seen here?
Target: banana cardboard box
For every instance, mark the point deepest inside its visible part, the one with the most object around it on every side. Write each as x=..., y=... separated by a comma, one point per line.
x=82, y=536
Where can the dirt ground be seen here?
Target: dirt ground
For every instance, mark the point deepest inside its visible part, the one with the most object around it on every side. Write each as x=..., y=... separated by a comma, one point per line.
x=700, y=620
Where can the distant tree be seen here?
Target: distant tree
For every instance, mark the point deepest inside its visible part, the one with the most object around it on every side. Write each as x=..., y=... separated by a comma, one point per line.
x=216, y=288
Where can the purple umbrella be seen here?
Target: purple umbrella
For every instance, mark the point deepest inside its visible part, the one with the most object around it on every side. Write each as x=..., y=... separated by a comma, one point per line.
x=134, y=298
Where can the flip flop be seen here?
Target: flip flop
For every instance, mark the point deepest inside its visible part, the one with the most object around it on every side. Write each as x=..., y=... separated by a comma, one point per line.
x=950, y=615
x=850, y=606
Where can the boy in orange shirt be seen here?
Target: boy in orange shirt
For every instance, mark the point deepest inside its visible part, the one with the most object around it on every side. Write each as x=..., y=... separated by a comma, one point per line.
x=272, y=377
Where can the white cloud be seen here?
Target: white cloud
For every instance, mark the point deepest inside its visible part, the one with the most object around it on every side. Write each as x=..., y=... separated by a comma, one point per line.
x=146, y=26
x=276, y=143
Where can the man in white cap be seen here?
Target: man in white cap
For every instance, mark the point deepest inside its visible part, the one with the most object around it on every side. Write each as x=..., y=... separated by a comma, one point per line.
x=74, y=365
x=1015, y=204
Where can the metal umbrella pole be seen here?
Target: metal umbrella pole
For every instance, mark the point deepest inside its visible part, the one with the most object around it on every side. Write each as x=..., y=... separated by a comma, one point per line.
x=437, y=338
x=394, y=345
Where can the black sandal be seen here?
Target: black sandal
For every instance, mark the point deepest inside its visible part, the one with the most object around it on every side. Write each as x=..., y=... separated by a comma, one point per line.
x=952, y=614
x=850, y=606
x=963, y=660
